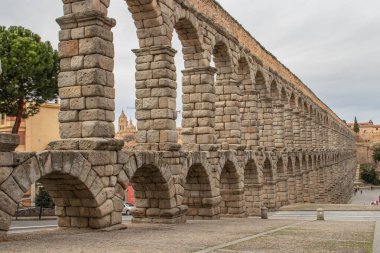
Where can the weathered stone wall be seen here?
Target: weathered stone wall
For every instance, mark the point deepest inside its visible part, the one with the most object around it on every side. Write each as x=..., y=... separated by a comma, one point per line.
x=253, y=134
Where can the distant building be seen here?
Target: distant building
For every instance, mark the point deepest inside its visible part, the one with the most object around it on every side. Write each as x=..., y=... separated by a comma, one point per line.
x=35, y=134
x=367, y=138
x=126, y=130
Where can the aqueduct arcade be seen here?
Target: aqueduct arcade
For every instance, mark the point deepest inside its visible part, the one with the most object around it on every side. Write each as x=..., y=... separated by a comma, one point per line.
x=253, y=134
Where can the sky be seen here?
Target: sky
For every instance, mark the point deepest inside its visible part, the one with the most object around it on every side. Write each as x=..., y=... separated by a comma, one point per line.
x=332, y=46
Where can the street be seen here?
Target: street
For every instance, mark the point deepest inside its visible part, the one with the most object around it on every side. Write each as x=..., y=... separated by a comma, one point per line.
x=365, y=198
x=35, y=224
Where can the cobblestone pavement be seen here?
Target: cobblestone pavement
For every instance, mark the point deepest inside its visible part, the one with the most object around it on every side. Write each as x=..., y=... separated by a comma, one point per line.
x=203, y=236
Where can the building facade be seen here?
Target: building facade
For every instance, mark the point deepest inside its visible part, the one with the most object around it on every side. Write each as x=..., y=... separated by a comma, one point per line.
x=367, y=138
x=35, y=134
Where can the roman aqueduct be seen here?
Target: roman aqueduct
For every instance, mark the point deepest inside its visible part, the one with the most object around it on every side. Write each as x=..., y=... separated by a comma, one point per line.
x=253, y=134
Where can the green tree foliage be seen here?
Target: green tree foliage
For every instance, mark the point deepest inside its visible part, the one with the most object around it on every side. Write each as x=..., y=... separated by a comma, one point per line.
x=368, y=174
x=376, y=154
x=30, y=68
x=43, y=199
x=356, y=126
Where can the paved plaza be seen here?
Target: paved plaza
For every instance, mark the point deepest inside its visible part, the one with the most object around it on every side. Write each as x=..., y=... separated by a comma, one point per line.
x=366, y=196
x=285, y=231
x=226, y=235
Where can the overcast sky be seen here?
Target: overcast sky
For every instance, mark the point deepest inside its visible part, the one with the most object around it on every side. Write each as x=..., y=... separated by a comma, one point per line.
x=332, y=46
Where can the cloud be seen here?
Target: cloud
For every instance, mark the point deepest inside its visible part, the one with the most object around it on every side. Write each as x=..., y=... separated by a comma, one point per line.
x=331, y=45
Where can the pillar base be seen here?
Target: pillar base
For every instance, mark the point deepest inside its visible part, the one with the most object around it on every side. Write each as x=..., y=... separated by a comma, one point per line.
x=9, y=142
x=3, y=236
x=164, y=216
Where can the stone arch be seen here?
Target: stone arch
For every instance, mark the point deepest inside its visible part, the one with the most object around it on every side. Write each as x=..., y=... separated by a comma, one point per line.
x=228, y=119
x=283, y=95
x=287, y=118
x=264, y=110
x=249, y=134
x=295, y=120
x=300, y=103
x=149, y=10
x=222, y=56
x=292, y=101
x=306, y=108
x=198, y=77
x=77, y=188
x=269, y=185
x=260, y=83
x=231, y=186
x=274, y=91
x=199, y=193
x=252, y=187
x=302, y=122
x=277, y=117
x=188, y=33
x=244, y=74
x=155, y=193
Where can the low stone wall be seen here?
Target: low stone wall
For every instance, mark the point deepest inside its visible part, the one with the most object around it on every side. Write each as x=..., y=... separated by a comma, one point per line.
x=35, y=212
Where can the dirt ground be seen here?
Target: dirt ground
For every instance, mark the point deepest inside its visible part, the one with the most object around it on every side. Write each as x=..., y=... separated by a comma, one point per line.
x=194, y=236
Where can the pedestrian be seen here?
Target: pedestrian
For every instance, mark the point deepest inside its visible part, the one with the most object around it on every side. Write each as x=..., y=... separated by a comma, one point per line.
x=361, y=192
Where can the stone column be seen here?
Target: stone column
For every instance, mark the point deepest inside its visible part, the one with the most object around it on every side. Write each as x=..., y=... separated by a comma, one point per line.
x=198, y=123
x=228, y=120
x=313, y=190
x=156, y=99
x=266, y=127
x=325, y=137
x=320, y=136
x=8, y=143
x=278, y=126
x=303, y=130
x=289, y=138
x=86, y=81
x=305, y=179
x=314, y=135
x=308, y=128
x=296, y=128
x=290, y=172
x=249, y=126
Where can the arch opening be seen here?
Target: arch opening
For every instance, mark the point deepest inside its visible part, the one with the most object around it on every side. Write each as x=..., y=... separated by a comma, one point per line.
x=252, y=188
x=249, y=134
x=282, y=184
x=155, y=197
x=198, y=195
x=269, y=187
x=231, y=191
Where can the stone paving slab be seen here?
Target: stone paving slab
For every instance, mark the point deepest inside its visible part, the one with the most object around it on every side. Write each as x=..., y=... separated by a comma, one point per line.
x=330, y=207
x=195, y=236
x=312, y=237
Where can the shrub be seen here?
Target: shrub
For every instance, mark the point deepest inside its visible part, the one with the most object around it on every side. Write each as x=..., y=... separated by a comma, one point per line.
x=368, y=174
x=376, y=154
x=43, y=199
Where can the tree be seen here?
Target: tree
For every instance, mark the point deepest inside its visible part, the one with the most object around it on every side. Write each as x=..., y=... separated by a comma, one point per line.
x=356, y=126
x=30, y=69
x=368, y=174
x=43, y=198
